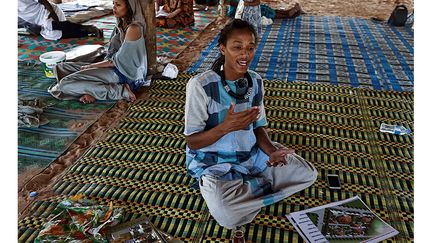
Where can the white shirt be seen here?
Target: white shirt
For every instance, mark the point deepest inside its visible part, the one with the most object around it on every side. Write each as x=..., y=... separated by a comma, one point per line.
x=35, y=13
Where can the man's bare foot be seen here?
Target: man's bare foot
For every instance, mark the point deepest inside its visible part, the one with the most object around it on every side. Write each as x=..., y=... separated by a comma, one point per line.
x=132, y=96
x=87, y=99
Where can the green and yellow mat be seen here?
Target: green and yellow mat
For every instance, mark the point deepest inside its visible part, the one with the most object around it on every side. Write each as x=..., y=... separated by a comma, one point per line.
x=140, y=165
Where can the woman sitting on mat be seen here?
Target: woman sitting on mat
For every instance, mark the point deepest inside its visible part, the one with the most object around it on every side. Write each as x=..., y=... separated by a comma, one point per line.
x=174, y=13
x=48, y=20
x=229, y=152
x=123, y=71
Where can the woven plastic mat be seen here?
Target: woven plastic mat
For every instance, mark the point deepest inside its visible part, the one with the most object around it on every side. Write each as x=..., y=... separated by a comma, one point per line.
x=39, y=146
x=343, y=51
x=141, y=163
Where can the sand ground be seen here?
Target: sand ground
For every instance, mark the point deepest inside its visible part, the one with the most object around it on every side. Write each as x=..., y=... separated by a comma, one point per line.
x=41, y=180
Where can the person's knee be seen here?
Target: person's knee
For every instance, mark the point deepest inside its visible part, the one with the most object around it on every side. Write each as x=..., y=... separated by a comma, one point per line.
x=312, y=174
x=225, y=215
x=221, y=209
x=56, y=71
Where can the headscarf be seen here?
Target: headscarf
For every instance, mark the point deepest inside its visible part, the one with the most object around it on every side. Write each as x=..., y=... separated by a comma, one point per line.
x=118, y=35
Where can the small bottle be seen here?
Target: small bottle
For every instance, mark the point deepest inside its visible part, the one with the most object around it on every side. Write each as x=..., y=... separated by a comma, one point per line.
x=33, y=194
x=238, y=236
x=394, y=129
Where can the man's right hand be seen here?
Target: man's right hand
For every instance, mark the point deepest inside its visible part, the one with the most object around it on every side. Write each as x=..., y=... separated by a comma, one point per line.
x=235, y=121
x=53, y=16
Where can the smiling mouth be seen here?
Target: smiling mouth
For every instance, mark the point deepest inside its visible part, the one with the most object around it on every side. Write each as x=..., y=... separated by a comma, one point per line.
x=242, y=63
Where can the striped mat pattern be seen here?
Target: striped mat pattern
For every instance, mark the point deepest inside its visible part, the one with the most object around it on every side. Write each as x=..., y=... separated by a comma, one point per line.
x=37, y=147
x=170, y=42
x=140, y=165
x=343, y=51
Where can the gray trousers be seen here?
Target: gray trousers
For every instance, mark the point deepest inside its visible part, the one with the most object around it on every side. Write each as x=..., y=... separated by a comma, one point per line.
x=235, y=203
x=72, y=83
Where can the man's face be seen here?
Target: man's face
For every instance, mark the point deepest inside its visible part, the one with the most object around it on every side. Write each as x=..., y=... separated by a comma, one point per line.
x=239, y=52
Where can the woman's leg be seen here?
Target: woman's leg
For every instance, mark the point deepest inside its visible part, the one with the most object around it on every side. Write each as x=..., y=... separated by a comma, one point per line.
x=100, y=83
x=63, y=69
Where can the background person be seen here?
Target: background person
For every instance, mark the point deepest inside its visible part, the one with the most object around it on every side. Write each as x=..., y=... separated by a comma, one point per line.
x=252, y=14
x=123, y=71
x=179, y=13
x=47, y=19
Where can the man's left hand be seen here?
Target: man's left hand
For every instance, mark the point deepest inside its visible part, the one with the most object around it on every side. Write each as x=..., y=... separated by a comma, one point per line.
x=278, y=157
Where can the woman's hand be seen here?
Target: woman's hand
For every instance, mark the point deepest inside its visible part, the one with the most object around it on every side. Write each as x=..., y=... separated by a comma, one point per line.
x=103, y=64
x=86, y=67
x=239, y=120
x=278, y=157
x=174, y=13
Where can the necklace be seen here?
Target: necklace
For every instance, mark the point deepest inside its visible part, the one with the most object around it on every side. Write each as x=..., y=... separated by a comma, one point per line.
x=245, y=95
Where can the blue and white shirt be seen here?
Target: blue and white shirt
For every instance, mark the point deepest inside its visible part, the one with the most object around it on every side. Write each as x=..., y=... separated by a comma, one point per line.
x=236, y=153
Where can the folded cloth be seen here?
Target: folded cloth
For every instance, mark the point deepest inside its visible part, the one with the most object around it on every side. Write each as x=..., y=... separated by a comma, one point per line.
x=85, y=53
x=30, y=113
x=77, y=219
x=73, y=7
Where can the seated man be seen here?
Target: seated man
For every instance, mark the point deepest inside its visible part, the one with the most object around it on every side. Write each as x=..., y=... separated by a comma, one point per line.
x=239, y=169
x=47, y=19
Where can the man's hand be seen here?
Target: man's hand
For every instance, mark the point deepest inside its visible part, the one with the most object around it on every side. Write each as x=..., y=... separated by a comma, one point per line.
x=235, y=121
x=54, y=16
x=278, y=157
x=49, y=7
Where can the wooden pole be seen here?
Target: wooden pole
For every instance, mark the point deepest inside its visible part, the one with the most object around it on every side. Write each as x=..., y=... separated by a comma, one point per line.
x=148, y=9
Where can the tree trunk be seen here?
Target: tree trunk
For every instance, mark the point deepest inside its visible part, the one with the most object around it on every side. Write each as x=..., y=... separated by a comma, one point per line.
x=148, y=8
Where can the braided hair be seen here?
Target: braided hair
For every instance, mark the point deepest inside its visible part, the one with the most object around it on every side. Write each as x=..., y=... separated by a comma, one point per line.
x=235, y=24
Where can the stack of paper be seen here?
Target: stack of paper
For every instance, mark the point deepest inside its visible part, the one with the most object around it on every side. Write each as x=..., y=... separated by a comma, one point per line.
x=348, y=220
